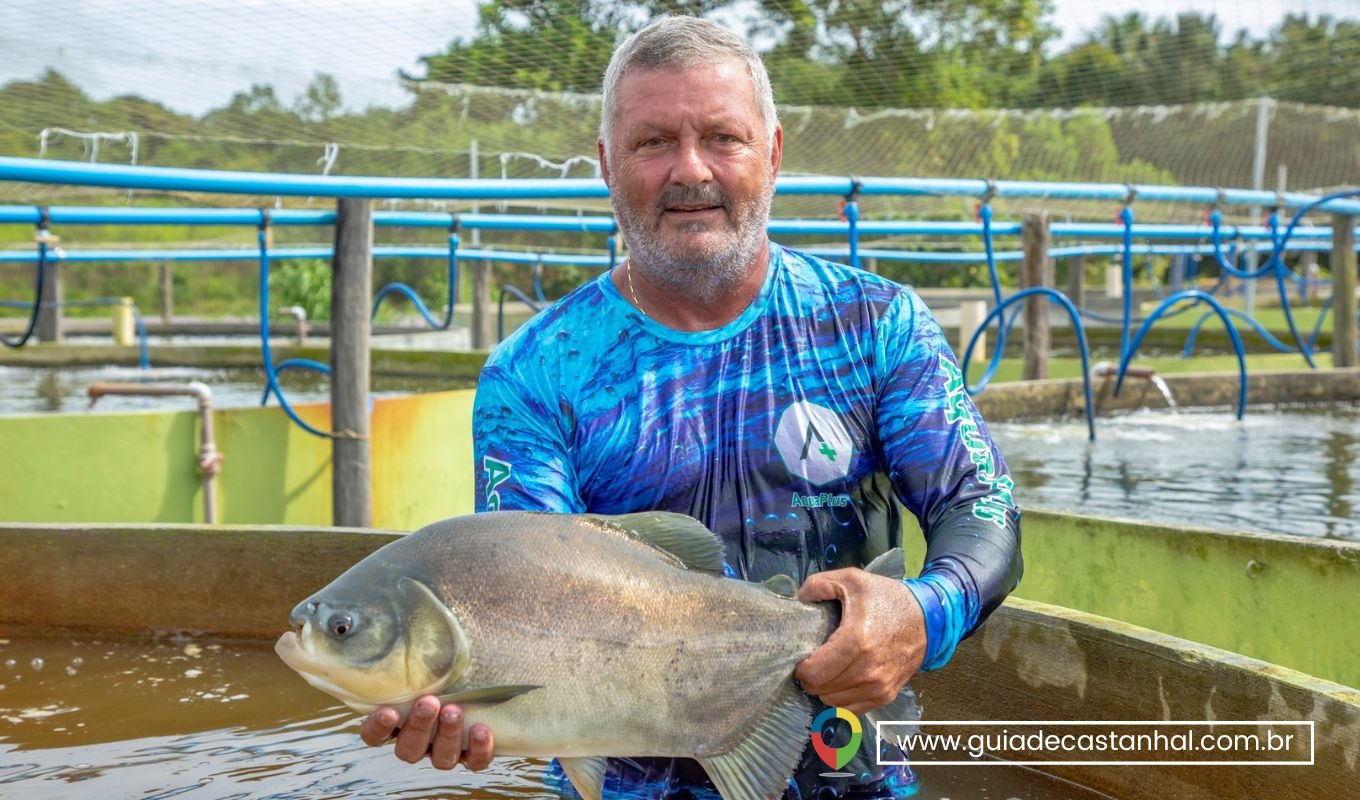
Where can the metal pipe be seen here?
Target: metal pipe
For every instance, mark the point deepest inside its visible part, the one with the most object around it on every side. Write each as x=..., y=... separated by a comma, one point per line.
x=1104, y=369
x=300, y=314
x=209, y=459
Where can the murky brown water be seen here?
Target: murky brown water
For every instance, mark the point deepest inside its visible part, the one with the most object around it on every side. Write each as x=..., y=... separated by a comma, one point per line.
x=176, y=717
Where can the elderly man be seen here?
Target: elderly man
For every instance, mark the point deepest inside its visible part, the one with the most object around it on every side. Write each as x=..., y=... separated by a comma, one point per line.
x=785, y=401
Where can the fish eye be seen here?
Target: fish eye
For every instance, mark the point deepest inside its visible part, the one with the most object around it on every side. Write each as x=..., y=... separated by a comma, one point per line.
x=340, y=625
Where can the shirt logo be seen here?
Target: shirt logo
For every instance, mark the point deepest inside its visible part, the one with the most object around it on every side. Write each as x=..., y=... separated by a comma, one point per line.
x=814, y=443
x=497, y=472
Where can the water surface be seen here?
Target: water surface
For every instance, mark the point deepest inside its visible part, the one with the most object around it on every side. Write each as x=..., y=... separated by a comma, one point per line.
x=185, y=717
x=1292, y=470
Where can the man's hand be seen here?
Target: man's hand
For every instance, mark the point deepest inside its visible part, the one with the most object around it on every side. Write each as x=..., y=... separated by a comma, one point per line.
x=879, y=645
x=431, y=730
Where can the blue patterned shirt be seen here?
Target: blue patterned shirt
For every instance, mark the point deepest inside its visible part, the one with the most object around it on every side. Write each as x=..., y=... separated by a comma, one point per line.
x=789, y=432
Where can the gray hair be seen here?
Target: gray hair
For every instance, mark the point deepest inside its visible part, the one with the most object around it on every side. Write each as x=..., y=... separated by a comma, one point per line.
x=680, y=43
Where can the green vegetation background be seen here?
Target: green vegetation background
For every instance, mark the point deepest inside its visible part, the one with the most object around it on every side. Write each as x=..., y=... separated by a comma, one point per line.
x=844, y=53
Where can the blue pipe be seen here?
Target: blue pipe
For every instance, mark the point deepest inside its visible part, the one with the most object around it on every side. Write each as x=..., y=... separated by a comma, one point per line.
x=34, y=170
x=1057, y=297
x=599, y=261
x=1261, y=331
x=401, y=288
x=293, y=363
x=270, y=373
x=500, y=307
x=1276, y=261
x=1127, y=356
x=40, y=277
x=1126, y=217
x=538, y=282
x=851, y=212
x=100, y=215
x=288, y=253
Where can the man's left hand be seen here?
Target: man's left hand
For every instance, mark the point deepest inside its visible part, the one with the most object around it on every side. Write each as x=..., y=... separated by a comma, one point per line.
x=878, y=646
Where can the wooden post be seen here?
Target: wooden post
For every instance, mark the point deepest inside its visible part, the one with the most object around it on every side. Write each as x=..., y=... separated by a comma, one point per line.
x=1343, y=290
x=870, y=264
x=50, y=328
x=167, y=293
x=351, y=299
x=1037, y=271
x=483, y=317
x=1114, y=281
x=483, y=313
x=971, y=315
x=1076, y=280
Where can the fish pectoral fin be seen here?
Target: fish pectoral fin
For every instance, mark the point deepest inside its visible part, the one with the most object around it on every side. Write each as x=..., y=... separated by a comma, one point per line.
x=680, y=536
x=781, y=584
x=487, y=695
x=760, y=766
x=903, y=708
x=586, y=774
x=891, y=564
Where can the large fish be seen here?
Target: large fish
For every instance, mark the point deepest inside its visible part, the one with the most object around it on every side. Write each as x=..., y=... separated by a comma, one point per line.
x=576, y=636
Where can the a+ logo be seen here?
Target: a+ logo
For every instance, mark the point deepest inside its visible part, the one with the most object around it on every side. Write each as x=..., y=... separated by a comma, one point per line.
x=814, y=443
x=825, y=449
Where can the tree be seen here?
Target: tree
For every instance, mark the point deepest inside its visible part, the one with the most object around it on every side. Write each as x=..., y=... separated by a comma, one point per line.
x=321, y=100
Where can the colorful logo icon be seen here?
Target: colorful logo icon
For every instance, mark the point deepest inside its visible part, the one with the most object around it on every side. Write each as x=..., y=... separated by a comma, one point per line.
x=836, y=757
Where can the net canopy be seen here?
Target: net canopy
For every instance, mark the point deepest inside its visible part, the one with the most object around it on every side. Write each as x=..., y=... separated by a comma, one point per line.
x=1258, y=93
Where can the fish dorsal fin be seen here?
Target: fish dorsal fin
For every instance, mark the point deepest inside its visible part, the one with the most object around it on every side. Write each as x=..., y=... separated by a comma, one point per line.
x=586, y=775
x=487, y=695
x=891, y=564
x=781, y=584
x=682, y=537
x=760, y=766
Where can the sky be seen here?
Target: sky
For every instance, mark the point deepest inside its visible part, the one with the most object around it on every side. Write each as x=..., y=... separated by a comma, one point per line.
x=193, y=55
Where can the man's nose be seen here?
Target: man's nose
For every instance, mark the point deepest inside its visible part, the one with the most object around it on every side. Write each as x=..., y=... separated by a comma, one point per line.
x=691, y=167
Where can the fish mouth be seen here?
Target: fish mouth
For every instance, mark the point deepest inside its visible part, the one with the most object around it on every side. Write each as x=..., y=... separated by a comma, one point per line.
x=292, y=648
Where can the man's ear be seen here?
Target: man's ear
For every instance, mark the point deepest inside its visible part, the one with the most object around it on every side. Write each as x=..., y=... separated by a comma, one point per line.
x=776, y=151
x=604, y=161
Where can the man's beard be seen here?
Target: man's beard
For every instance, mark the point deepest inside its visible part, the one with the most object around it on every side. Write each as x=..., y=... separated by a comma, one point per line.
x=703, y=275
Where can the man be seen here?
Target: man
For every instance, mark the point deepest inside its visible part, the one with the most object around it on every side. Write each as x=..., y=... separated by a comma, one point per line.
x=782, y=400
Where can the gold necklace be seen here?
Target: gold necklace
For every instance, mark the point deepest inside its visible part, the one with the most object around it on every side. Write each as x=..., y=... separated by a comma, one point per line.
x=628, y=272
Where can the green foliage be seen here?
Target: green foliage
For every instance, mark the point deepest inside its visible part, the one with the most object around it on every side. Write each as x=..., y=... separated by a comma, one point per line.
x=302, y=283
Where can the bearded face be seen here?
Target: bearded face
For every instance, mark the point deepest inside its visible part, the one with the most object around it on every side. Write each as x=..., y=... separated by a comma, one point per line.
x=691, y=170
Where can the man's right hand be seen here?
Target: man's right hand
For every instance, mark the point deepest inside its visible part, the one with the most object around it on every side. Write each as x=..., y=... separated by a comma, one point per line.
x=433, y=730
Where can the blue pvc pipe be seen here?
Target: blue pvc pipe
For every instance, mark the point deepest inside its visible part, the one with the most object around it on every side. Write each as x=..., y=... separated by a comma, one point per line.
x=100, y=215
x=1127, y=356
x=120, y=176
x=851, y=212
x=270, y=373
x=40, y=277
x=175, y=179
x=403, y=289
x=500, y=307
x=288, y=253
x=1261, y=331
x=293, y=363
x=603, y=261
x=1058, y=297
x=1126, y=217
